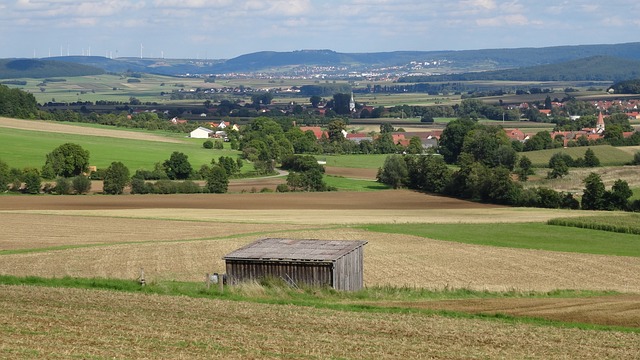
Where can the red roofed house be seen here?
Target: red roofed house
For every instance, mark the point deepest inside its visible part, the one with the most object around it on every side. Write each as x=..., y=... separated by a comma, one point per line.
x=316, y=130
x=515, y=134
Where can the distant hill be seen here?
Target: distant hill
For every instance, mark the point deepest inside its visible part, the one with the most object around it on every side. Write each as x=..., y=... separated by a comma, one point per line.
x=35, y=68
x=458, y=61
x=335, y=63
x=595, y=68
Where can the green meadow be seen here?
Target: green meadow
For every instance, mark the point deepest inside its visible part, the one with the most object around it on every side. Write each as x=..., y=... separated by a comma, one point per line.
x=369, y=161
x=608, y=155
x=346, y=184
x=523, y=236
x=20, y=149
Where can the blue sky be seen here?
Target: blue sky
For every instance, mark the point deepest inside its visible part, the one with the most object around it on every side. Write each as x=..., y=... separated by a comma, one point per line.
x=218, y=29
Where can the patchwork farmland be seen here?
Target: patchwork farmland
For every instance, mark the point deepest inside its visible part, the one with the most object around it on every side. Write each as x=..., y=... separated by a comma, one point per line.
x=499, y=286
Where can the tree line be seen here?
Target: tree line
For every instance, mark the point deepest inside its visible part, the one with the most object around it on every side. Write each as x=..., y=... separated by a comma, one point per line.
x=485, y=163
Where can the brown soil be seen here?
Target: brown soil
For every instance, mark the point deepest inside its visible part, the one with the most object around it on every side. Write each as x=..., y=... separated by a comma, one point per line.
x=369, y=174
x=47, y=126
x=388, y=200
x=621, y=310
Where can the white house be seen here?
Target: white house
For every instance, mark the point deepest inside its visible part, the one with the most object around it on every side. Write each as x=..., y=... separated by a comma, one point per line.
x=201, y=133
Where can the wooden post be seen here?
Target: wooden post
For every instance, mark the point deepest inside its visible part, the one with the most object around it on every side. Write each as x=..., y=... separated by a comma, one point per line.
x=221, y=283
x=208, y=281
x=141, y=280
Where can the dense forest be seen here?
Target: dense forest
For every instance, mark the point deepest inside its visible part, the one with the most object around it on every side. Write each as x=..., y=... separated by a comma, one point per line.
x=627, y=87
x=31, y=68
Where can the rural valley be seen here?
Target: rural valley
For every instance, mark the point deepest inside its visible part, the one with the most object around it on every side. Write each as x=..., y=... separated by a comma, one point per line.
x=500, y=215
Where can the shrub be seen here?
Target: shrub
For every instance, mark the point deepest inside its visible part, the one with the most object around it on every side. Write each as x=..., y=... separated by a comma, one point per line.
x=282, y=188
x=139, y=186
x=81, y=184
x=32, y=182
x=636, y=159
x=63, y=186
x=208, y=144
x=188, y=187
x=218, y=145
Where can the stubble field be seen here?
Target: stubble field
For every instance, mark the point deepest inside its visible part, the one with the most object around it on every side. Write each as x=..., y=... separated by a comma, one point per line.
x=71, y=323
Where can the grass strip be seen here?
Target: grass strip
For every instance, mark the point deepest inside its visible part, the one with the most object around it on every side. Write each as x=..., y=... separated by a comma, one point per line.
x=275, y=293
x=523, y=236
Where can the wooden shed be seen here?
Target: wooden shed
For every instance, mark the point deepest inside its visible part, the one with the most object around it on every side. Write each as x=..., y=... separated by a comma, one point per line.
x=334, y=263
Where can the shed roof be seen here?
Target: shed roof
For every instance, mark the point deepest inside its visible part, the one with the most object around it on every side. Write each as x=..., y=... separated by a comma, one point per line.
x=274, y=249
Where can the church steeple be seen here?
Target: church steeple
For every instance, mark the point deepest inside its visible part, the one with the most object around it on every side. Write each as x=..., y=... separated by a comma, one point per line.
x=352, y=104
x=600, y=123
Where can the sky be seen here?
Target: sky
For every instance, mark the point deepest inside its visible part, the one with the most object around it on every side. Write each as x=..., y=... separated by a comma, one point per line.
x=223, y=29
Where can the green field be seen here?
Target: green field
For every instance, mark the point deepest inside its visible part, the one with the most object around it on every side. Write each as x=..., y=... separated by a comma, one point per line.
x=22, y=148
x=523, y=236
x=345, y=184
x=608, y=155
x=371, y=161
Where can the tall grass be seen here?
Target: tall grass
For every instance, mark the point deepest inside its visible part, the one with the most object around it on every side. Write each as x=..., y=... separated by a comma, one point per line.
x=620, y=223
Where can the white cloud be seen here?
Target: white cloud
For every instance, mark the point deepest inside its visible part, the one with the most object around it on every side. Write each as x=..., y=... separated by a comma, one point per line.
x=195, y=4
x=506, y=20
x=479, y=4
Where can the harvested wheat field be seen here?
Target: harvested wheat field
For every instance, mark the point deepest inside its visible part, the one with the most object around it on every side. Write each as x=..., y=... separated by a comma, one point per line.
x=53, y=127
x=71, y=323
x=29, y=231
x=390, y=259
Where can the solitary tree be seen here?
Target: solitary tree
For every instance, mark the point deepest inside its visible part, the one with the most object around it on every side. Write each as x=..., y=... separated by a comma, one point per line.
x=217, y=180
x=178, y=167
x=67, y=160
x=116, y=177
x=619, y=195
x=593, y=197
x=394, y=172
x=590, y=159
x=524, y=169
x=558, y=165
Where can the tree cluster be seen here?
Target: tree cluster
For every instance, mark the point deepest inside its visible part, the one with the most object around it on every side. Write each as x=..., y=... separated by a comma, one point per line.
x=16, y=103
x=305, y=174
